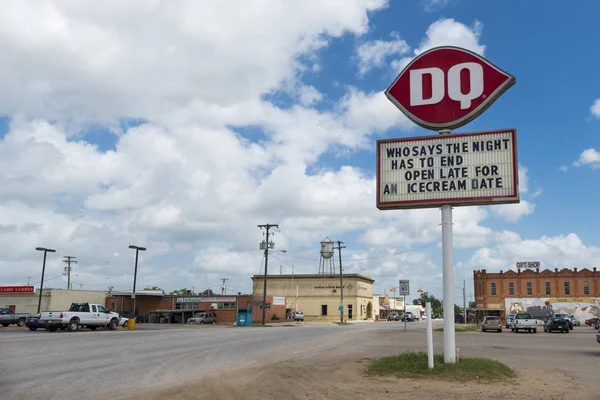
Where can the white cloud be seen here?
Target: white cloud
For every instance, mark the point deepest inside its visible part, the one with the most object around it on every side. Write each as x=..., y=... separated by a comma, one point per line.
x=447, y=32
x=595, y=108
x=589, y=157
x=309, y=95
x=513, y=212
x=563, y=168
x=374, y=53
x=80, y=61
x=552, y=251
x=434, y=5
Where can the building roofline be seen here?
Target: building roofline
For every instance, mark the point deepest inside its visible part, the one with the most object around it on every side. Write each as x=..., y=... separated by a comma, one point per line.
x=313, y=276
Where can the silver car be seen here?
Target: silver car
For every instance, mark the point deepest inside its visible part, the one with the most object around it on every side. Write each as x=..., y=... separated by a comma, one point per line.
x=491, y=323
x=203, y=318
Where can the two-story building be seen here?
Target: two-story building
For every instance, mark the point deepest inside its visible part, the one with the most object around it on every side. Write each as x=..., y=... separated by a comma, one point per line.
x=541, y=293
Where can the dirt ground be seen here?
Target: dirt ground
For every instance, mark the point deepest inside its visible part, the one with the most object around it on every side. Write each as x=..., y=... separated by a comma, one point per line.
x=341, y=374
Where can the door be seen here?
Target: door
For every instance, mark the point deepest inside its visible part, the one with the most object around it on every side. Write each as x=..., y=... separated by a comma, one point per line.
x=103, y=315
x=349, y=311
x=92, y=317
x=324, y=309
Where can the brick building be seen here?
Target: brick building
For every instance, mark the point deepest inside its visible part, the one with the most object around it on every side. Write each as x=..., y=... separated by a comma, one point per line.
x=155, y=306
x=576, y=292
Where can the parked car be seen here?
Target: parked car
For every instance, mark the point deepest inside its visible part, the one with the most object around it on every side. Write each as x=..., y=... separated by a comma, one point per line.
x=593, y=322
x=565, y=316
x=408, y=316
x=491, y=323
x=575, y=321
x=598, y=336
x=7, y=317
x=299, y=316
x=557, y=324
x=509, y=320
x=123, y=321
x=393, y=316
x=33, y=322
x=80, y=315
x=208, y=317
x=524, y=322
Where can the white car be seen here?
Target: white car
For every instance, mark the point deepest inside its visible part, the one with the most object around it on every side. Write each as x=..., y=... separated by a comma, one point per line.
x=123, y=321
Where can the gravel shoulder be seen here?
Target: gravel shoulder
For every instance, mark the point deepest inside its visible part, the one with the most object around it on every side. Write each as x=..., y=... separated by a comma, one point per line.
x=548, y=365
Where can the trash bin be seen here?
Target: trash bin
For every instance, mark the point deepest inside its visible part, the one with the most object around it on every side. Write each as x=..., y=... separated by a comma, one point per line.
x=131, y=323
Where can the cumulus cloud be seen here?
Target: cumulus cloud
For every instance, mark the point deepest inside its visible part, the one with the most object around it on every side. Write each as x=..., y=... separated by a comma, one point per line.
x=447, y=32
x=434, y=5
x=552, y=252
x=595, y=108
x=373, y=54
x=589, y=157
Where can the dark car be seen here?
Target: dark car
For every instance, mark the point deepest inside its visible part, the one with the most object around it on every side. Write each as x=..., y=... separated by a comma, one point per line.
x=557, y=324
x=33, y=322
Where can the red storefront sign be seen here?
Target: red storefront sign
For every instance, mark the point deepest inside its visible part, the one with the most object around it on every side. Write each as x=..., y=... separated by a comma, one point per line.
x=17, y=289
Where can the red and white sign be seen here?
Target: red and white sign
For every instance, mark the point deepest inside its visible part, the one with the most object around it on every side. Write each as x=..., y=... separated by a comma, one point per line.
x=17, y=289
x=462, y=169
x=447, y=87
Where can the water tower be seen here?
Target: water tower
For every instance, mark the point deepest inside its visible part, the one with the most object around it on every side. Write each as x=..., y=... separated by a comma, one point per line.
x=326, y=259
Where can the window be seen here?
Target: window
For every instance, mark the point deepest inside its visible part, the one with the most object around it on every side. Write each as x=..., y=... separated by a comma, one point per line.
x=529, y=289
x=324, y=309
x=511, y=288
x=586, y=288
x=547, y=288
x=93, y=308
x=102, y=309
x=493, y=285
x=113, y=305
x=229, y=306
x=479, y=293
x=567, y=288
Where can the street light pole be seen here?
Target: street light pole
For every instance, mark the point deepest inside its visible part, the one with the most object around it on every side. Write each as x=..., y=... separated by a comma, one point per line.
x=137, y=250
x=45, y=250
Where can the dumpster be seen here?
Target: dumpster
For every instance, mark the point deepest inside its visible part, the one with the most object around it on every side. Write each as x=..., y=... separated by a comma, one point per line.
x=131, y=323
x=244, y=317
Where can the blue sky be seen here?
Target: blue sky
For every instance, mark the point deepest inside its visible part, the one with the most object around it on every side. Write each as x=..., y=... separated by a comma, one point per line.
x=184, y=138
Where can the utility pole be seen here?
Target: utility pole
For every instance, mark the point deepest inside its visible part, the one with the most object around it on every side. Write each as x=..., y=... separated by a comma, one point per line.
x=29, y=279
x=223, y=286
x=67, y=271
x=267, y=244
x=339, y=248
x=465, y=300
x=281, y=270
x=46, y=251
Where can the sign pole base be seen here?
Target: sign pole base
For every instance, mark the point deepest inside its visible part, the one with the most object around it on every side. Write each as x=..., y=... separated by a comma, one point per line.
x=429, y=335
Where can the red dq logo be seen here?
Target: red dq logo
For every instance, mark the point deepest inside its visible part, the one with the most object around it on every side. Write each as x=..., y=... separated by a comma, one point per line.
x=447, y=87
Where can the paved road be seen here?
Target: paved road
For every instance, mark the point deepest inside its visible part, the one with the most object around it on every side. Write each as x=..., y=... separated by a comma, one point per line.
x=90, y=365
x=94, y=365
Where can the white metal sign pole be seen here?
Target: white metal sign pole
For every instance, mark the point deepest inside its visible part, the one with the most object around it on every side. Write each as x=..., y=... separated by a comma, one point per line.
x=429, y=335
x=448, y=278
x=404, y=315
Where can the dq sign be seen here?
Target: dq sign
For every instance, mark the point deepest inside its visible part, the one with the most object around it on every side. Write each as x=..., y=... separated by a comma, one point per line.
x=447, y=87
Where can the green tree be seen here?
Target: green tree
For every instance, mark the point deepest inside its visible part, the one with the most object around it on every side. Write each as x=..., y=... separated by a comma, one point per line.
x=436, y=305
x=184, y=291
x=208, y=292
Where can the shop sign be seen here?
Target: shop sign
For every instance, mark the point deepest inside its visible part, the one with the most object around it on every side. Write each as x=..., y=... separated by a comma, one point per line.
x=17, y=289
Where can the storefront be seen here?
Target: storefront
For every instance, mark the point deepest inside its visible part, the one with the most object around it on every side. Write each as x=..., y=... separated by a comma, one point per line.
x=175, y=309
x=318, y=295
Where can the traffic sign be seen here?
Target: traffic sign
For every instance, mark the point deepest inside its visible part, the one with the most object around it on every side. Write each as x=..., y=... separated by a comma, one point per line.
x=404, y=287
x=447, y=87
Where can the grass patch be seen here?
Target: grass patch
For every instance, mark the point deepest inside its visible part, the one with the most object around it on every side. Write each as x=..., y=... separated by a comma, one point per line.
x=413, y=364
x=462, y=328
x=342, y=323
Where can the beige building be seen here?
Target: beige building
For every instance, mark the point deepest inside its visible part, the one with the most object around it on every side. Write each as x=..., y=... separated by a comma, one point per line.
x=318, y=295
x=52, y=299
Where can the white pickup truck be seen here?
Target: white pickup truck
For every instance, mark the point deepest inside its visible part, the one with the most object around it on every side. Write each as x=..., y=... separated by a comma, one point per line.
x=80, y=315
x=524, y=322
